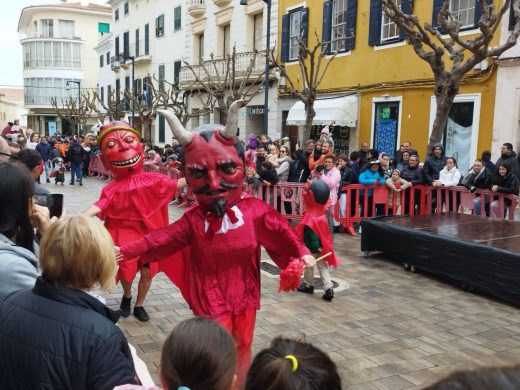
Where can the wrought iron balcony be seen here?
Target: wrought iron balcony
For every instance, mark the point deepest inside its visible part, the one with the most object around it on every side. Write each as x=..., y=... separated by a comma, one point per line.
x=209, y=70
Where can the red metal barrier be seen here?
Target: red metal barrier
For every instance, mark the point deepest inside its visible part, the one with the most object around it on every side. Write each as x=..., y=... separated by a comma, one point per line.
x=285, y=197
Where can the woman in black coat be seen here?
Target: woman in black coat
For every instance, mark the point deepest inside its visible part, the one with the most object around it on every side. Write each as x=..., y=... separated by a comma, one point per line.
x=56, y=335
x=505, y=182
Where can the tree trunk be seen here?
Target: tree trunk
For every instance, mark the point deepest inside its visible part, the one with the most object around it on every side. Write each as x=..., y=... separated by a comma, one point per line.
x=309, y=116
x=446, y=88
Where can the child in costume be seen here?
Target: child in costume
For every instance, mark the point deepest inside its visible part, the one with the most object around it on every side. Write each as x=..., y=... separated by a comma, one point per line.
x=315, y=232
x=224, y=232
x=395, y=185
x=132, y=204
x=58, y=172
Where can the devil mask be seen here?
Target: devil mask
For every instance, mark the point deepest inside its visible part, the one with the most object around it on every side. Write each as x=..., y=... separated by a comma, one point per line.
x=316, y=196
x=121, y=149
x=213, y=161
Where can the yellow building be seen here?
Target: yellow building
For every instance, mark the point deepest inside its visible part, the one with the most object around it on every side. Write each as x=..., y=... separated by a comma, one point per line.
x=393, y=85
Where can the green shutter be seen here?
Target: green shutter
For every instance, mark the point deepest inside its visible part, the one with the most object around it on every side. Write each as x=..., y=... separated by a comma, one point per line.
x=103, y=27
x=177, y=18
x=161, y=128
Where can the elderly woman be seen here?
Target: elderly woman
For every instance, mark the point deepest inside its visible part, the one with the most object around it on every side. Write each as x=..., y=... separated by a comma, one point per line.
x=56, y=335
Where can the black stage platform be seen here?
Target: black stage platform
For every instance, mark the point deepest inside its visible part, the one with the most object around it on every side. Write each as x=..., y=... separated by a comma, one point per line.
x=476, y=253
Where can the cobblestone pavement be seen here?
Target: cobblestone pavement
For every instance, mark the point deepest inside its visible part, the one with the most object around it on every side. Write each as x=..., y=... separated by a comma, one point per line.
x=389, y=329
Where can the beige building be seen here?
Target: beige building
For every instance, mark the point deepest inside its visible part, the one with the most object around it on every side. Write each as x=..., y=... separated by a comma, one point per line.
x=59, y=59
x=12, y=106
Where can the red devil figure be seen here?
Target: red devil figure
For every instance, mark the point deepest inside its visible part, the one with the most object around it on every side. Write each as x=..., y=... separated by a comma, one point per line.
x=221, y=279
x=133, y=204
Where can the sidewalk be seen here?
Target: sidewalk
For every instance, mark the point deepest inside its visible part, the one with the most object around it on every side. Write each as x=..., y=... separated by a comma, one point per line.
x=388, y=329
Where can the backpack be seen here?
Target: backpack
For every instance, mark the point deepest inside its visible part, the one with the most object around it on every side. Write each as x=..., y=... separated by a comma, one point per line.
x=295, y=171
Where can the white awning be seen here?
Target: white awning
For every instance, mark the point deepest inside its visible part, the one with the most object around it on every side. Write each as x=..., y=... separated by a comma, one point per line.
x=343, y=110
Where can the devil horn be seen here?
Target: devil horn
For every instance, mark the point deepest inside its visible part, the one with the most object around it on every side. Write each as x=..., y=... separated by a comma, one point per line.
x=230, y=130
x=183, y=136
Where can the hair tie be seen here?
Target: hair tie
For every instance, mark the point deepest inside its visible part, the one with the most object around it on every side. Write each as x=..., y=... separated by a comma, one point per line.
x=183, y=388
x=292, y=358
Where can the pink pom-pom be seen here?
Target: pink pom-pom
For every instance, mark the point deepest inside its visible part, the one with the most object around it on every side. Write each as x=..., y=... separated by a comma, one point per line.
x=290, y=277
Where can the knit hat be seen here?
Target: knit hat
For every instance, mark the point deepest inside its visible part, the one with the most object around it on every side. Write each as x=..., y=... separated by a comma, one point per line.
x=252, y=144
x=325, y=130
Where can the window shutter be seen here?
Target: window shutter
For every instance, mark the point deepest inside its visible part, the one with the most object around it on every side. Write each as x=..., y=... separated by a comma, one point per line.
x=374, y=32
x=327, y=26
x=304, y=27
x=512, y=19
x=478, y=11
x=437, y=4
x=351, y=24
x=161, y=128
x=407, y=8
x=285, y=38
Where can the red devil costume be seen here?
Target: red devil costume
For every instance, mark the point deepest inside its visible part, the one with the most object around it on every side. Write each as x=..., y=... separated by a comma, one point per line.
x=221, y=279
x=134, y=203
x=314, y=230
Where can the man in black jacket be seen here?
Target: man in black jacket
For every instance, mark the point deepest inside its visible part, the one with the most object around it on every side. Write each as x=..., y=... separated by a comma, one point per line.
x=434, y=164
x=75, y=155
x=507, y=155
x=412, y=173
x=302, y=156
x=478, y=178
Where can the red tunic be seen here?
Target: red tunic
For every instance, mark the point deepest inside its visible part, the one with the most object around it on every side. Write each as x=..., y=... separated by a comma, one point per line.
x=320, y=226
x=133, y=206
x=222, y=275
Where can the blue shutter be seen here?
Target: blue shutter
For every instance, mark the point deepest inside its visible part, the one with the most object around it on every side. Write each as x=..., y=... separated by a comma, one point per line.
x=478, y=11
x=285, y=38
x=304, y=27
x=374, y=31
x=407, y=8
x=437, y=4
x=350, y=40
x=327, y=26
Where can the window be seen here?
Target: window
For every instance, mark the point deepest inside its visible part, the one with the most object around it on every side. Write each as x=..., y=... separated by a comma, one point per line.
x=118, y=89
x=339, y=25
x=126, y=8
x=176, y=71
x=199, y=48
x=177, y=23
x=161, y=129
x=102, y=94
x=108, y=58
x=126, y=45
x=127, y=91
x=294, y=33
x=389, y=30
x=47, y=28
x=463, y=11
x=146, y=39
x=258, y=30
x=116, y=14
x=159, y=26
x=101, y=61
x=109, y=94
x=67, y=29
x=226, y=40
x=136, y=51
x=161, y=77
x=117, y=46
x=55, y=54
x=139, y=90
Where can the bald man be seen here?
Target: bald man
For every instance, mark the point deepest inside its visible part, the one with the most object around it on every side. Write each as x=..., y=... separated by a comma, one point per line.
x=5, y=152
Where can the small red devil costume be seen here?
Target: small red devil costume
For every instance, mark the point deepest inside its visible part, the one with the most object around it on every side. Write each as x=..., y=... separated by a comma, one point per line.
x=135, y=202
x=221, y=278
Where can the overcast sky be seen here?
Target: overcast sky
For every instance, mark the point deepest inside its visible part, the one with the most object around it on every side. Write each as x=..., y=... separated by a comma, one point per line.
x=10, y=48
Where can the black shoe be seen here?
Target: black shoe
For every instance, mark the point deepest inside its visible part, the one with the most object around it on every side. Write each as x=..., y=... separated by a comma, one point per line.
x=125, y=306
x=141, y=314
x=71, y=183
x=335, y=229
x=80, y=183
x=329, y=294
x=48, y=181
x=305, y=289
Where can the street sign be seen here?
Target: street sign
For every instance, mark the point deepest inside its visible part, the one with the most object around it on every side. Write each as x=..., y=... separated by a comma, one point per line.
x=255, y=110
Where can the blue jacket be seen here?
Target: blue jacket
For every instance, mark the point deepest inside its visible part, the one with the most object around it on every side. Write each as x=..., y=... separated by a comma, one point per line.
x=44, y=150
x=368, y=177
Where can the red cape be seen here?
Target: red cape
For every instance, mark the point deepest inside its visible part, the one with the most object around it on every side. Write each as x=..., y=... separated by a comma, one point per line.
x=320, y=226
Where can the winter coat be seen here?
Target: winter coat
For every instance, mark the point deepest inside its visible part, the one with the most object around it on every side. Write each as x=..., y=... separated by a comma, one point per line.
x=18, y=268
x=369, y=177
x=303, y=159
x=508, y=184
x=481, y=180
x=60, y=338
x=284, y=165
x=348, y=176
x=270, y=176
x=433, y=166
x=44, y=150
x=450, y=178
x=511, y=161
x=75, y=153
x=413, y=175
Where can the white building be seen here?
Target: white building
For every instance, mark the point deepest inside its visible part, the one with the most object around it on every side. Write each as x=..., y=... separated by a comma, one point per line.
x=506, y=124
x=146, y=38
x=58, y=56
x=215, y=27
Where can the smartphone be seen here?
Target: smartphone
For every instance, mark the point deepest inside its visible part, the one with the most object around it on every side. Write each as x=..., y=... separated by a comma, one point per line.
x=55, y=205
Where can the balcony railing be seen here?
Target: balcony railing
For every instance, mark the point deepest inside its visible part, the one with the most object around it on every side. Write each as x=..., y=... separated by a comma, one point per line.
x=196, y=8
x=208, y=70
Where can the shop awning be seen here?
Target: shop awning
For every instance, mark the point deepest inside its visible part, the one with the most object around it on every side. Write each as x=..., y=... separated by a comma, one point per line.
x=343, y=110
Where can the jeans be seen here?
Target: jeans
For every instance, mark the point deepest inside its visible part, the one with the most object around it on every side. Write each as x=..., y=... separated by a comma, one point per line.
x=47, y=167
x=476, y=204
x=76, y=169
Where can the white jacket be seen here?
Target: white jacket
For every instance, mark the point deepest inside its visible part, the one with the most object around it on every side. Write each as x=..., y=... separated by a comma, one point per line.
x=450, y=178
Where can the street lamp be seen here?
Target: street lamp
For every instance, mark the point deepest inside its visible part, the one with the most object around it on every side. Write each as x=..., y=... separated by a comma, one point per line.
x=79, y=100
x=125, y=57
x=267, y=67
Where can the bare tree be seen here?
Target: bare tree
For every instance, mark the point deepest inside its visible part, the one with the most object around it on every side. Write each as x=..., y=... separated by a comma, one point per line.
x=313, y=64
x=432, y=43
x=113, y=108
x=225, y=80
x=74, y=111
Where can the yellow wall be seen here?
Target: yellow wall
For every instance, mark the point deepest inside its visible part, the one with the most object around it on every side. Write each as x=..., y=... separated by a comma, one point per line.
x=365, y=66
